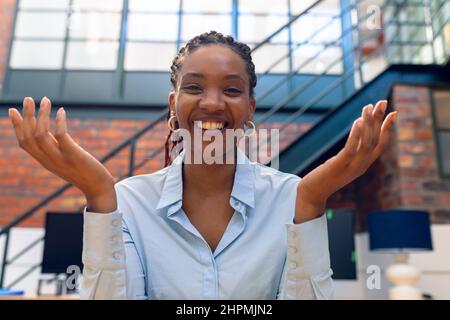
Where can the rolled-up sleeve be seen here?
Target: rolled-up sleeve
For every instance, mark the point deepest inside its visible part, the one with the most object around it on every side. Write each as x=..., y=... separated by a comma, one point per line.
x=112, y=269
x=307, y=272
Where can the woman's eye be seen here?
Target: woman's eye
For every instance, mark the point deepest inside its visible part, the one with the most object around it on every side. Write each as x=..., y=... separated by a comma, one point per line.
x=192, y=88
x=234, y=91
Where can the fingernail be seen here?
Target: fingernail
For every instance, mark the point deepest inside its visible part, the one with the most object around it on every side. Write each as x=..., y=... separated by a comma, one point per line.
x=384, y=106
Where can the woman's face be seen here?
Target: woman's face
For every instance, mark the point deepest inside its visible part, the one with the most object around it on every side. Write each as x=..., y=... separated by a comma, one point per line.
x=212, y=87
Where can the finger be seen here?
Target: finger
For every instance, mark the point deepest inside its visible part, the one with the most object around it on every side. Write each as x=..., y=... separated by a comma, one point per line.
x=66, y=144
x=29, y=121
x=28, y=128
x=45, y=140
x=351, y=146
x=16, y=120
x=378, y=115
x=385, y=134
x=367, y=130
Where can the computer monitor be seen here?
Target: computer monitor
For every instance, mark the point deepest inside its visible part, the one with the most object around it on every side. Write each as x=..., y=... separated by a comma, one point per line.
x=341, y=239
x=63, y=242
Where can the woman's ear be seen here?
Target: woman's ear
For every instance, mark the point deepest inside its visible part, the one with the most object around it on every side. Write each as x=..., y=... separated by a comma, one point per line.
x=252, y=108
x=172, y=101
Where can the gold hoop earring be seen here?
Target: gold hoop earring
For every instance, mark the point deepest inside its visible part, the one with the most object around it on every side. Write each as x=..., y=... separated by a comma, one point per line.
x=169, y=122
x=251, y=124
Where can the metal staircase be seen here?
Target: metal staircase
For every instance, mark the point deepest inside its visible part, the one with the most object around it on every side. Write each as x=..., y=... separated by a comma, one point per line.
x=368, y=73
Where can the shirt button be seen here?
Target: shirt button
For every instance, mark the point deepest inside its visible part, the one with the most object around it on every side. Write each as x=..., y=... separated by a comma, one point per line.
x=115, y=222
x=115, y=238
x=293, y=234
x=293, y=265
x=116, y=255
x=292, y=250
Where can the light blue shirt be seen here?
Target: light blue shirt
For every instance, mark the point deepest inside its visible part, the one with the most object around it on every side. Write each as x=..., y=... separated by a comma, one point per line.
x=148, y=249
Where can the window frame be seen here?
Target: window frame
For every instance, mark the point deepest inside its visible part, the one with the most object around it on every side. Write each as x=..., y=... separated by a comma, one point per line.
x=437, y=130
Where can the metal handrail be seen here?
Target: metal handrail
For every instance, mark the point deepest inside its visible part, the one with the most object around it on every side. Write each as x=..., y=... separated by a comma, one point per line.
x=329, y=44
x=280, y=29
x=108, y=156
x=6, y=230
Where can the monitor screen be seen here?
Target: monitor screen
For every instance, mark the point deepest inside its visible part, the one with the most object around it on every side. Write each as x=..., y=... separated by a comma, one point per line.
x=63, y=242
x=341, y=239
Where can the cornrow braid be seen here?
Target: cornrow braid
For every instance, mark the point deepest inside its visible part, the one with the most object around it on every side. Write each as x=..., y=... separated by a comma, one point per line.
x=207, y=38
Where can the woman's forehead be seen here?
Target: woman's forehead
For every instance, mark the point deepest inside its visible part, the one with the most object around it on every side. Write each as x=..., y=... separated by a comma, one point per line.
x=213, y=59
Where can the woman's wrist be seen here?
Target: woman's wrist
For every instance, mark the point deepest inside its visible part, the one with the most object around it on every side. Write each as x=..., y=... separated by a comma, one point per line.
x=309, y=205
x=104, y=202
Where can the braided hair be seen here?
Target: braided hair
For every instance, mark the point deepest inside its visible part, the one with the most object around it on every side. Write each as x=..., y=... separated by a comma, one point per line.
x=204, y=39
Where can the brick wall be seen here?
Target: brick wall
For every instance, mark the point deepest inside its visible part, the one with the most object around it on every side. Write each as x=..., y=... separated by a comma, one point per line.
x=418, y=173
x=24, y=183
x=406, y=175
x=6, y=16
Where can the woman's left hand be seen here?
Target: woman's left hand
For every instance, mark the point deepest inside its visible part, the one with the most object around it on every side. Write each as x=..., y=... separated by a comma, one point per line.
x=368, y=138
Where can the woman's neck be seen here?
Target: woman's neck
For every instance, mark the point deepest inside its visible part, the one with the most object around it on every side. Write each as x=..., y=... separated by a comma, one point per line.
x=208, y=179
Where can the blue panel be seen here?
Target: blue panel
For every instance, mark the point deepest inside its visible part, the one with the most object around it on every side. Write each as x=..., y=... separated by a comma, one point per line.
x=34, y=84
x=88, y=86
x=146, y=87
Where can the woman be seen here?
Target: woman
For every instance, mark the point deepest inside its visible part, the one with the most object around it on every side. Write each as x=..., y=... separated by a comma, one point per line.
x=220, y=230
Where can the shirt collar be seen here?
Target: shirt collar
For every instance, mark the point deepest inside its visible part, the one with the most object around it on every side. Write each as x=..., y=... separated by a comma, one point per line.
x=243, y=185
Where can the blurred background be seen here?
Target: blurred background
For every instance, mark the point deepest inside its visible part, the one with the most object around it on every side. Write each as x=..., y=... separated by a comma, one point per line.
x=107, y=63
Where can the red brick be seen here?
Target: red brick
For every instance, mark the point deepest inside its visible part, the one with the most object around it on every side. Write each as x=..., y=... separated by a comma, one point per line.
x=424, y=134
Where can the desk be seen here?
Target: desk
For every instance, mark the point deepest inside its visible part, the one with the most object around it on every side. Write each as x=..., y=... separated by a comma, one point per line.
x=28, y=297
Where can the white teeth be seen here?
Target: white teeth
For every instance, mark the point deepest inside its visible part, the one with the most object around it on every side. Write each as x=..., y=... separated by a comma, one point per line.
x=209, y=125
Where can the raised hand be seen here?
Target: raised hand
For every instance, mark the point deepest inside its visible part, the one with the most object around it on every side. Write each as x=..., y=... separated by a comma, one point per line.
x=61, y=155
x=368, y=138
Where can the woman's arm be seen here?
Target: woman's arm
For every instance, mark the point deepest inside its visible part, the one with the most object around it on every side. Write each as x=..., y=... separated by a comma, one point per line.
x=307, y=272
x=368, y=138
x=112, y=268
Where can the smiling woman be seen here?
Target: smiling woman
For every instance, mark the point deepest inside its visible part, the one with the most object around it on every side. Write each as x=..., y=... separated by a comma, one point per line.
x=200, y=230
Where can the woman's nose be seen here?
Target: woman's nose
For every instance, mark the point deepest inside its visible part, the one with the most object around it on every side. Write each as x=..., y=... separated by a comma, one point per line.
x=212, y=101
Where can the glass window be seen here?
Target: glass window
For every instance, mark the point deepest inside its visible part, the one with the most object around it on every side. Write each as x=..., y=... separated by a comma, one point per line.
x=327, y=59
x=102, y=5
x=266, y=55
x=207, y=6
x=442, y=109
x=50, y=25
x=43, y=4
x=170, y=6
x=46, y=54
x=149, y=56
x=148, y=27
x=95, y=25
x=444, y=150
x=195, y=24
x=330, y=7
x=442, y=124
x=257, y=28
x=273, y=7
x=316, y=29
x=92, y=55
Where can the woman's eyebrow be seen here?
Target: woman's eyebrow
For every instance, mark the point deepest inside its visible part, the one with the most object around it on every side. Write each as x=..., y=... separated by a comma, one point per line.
x=194, y=74
x=202, y=76
x=234, y=76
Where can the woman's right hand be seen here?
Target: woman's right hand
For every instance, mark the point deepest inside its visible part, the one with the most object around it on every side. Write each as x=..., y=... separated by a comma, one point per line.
x=61, y=155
